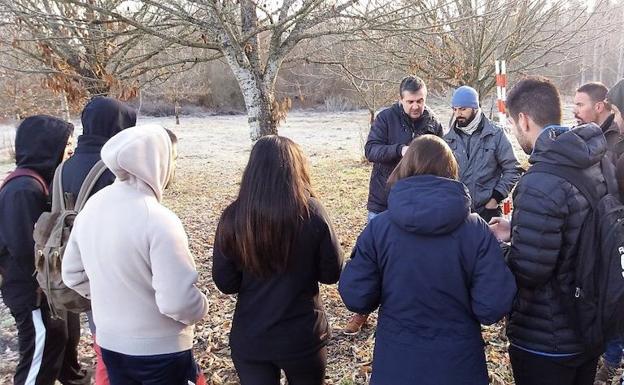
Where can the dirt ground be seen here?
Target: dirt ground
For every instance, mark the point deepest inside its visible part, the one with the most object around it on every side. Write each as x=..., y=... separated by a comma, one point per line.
x=213, y=152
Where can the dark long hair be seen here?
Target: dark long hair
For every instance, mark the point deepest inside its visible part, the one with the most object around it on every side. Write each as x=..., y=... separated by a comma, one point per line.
x=258, y=229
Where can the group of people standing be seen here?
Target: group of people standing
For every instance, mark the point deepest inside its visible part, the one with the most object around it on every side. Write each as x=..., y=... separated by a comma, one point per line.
x=435, y=257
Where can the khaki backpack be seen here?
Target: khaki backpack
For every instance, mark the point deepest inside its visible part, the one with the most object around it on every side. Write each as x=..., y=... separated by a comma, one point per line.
x=51, y=235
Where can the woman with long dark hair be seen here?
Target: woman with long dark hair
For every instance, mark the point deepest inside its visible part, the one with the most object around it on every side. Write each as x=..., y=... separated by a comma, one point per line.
x=273, y=245
x=435, y=271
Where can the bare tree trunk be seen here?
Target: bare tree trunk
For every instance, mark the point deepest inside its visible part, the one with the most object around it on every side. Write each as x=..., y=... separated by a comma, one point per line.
x=601, y=65
x=258, y=102
x=176, y=110
x=620, y=70
x=583, y=69
x=65, y=106
x=595, y=61
x=140, y=101
x=620, y=67
x=259, y=112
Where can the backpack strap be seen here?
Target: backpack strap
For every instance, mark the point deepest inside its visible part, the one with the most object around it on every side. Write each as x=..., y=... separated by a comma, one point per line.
x=89, y=183
x=58, y=202
x=607, y=166
x=18, y=172
x=573, y=175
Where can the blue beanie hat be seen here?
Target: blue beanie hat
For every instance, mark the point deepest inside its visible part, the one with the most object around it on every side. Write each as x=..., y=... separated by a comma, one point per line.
x=466, y=97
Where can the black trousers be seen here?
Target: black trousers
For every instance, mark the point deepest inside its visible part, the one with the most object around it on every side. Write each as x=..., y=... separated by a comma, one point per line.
x=308, y=370
x=47, y=348
x=533, y=369
x=160, y=369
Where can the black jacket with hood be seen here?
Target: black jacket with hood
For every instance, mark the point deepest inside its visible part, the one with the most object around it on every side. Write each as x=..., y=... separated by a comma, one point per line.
x=547, y=219
x=40, y=143
x=102, y=118
x=391, y=130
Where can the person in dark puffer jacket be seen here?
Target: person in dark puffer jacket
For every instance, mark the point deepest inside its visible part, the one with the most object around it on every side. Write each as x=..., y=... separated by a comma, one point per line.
x=547, y=219
x=392, y=131
x=435, y=271
x=390, y=135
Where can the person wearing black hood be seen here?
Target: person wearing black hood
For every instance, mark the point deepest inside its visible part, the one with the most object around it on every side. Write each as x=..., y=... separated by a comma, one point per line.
x=102, y=118
x=390, y=135
x=47, y=347
x=545, y=229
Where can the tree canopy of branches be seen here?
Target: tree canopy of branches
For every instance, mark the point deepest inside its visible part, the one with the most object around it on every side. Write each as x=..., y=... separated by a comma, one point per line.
x=83, y=53
x=255, y=37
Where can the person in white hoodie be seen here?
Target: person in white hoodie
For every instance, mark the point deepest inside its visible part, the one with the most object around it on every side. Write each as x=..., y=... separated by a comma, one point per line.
x=129, y=254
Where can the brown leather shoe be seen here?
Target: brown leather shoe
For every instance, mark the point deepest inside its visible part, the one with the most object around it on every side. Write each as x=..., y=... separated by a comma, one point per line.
x=355, y=324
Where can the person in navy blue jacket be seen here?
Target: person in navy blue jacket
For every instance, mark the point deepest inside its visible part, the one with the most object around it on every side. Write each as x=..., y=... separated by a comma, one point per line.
x=435, y=271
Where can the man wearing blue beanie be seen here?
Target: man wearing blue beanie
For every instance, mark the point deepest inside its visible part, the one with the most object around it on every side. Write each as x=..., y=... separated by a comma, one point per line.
x=487, y=164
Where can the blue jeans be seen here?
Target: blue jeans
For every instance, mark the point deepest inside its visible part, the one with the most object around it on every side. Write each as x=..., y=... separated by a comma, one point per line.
x=613, y=353
x=370, y=216
x=161, y=369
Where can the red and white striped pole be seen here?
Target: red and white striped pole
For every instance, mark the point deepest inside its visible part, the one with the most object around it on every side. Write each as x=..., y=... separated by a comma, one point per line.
x=501, y=91
x=501, y=98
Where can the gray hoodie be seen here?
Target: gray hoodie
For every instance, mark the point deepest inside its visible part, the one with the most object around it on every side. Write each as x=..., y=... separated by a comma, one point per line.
x=129, y=254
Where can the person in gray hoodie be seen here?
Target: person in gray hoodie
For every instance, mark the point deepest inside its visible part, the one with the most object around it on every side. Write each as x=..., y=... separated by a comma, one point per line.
x=144, y=297
x=487, y=163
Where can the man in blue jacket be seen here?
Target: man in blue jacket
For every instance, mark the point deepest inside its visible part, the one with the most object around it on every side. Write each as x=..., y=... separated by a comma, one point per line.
x=47, y=347
x=390, y=135
x=487, y=163
x=546, y=225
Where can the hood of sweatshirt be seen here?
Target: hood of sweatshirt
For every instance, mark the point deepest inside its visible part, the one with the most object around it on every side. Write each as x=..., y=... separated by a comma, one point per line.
x=580, y=147
x=428, y=204
x=105, y=117
x=40, y=143
x=141, y=153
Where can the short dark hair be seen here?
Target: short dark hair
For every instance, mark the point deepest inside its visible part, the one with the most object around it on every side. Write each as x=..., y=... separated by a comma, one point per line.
x=536, y=97
x=411, y=83
x=597, y=91
x=172, y=136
